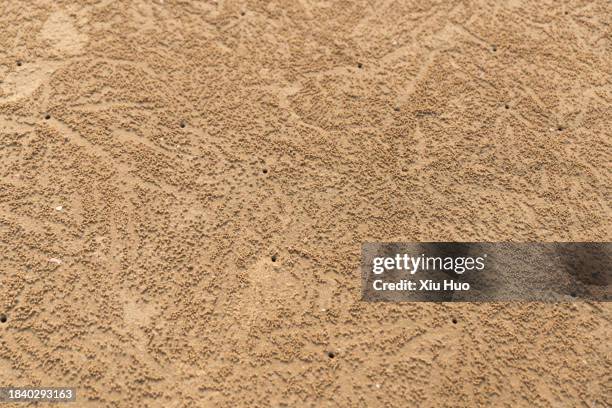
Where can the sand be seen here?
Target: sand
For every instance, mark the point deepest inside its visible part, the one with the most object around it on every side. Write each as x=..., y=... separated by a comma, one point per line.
x=185, y=187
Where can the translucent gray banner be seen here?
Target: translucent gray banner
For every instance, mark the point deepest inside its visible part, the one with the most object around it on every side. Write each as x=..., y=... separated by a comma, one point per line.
x=486, y=271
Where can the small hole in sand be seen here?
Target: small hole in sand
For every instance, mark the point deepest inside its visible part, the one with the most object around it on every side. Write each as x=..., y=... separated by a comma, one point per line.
x=183, y=124
x=242, y=13
x=507, y=106
x=494, y=48
x=454, y=321
x=19, y=63
x=273, y=258
x=560, y=128
x=359, y=65
x=265, y=171
x=3, y=318
x=331, y=354
x=47, y=116
x=397, y=109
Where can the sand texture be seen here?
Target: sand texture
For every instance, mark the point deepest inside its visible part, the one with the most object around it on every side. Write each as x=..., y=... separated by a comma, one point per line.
x=185, y=187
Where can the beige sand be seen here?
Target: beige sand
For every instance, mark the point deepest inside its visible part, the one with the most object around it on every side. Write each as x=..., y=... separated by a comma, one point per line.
x=189, y=142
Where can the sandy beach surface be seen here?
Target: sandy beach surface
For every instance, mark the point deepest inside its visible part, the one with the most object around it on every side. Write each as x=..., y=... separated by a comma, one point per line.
x=185, y=187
